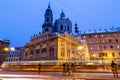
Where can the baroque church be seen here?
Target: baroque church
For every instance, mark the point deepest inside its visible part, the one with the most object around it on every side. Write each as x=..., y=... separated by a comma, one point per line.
x=55, y=42
x=61, y=25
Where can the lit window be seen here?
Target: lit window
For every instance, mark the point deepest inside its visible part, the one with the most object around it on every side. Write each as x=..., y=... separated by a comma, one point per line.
x=91, y=41
x=103, y=41
x=108, y=35
x=102, y=35
x=98, y=47
x=115, y=34
x=97, y=41
x=118, y=46
x=96, y=36
x=84, y=37
x=91, y=48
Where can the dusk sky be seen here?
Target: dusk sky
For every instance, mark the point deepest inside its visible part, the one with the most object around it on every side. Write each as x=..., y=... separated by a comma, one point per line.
x=21, y=19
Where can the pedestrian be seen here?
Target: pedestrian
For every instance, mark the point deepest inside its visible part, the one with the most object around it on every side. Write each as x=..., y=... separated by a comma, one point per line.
x=68, y=68
x=64, y=68
x=73, y=67
x=114, y=69
x=39, y=68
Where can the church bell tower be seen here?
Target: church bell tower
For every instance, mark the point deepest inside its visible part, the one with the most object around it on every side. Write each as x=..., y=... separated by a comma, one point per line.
x=48, y=21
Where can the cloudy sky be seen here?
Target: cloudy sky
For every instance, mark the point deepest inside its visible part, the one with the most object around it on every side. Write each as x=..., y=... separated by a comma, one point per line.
x=20, y=19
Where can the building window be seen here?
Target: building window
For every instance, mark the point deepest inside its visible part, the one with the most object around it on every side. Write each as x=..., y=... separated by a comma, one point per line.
x=113, y=54
x=62, y=52
x=51, y=52
x=90, y=36
x=68, y=28
x=78, y=37
x=116, y=40
x=84, y=37
x=46, y=30
x=62, y=44
x=104, y=47
x=47, y=19
x=105, y=54
x=102, y=35
x=97, y=41
x=110, y=40
x=115, y=34
x=103, y=41
x=96, y=36
x=91, y=48
x=43, y=50
x=61, y=27
x=91, y=41
x=98, y=47
x=111, y=47
x=68, y=54
x=119, y=53
x=108, y=35
x=118, y=46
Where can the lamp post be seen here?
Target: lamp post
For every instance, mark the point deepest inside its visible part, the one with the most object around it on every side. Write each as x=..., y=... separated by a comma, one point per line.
x=80, y=49
x=9, y=49
x=6, y=49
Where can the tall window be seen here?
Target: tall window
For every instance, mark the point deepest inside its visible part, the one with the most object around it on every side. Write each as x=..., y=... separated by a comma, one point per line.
x=116, y=40
x=105, y=54
x=68, y=54
x=61, y=27
x=104, y=47
x=51, y=52
x=111, y=47
x=110, y=40
x=68, y=28
x=62, y=52
x=47, y=19
x=113, y=54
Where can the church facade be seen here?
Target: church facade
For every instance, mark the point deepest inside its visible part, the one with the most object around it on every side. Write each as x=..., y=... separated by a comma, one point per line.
x=55, y=42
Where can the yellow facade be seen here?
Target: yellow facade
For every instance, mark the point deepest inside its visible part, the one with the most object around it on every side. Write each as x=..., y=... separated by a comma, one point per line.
x=50, y=46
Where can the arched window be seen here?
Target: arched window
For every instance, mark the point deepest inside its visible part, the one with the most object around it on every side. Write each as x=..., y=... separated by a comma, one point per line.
x=68, y=28
x=61, y=27
x=43, y=50
x=47, y=19
x=46, y=29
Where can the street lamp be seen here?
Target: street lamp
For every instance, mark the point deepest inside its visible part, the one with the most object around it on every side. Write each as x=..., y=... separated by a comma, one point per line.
x=80, y=49
x=9, y=49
